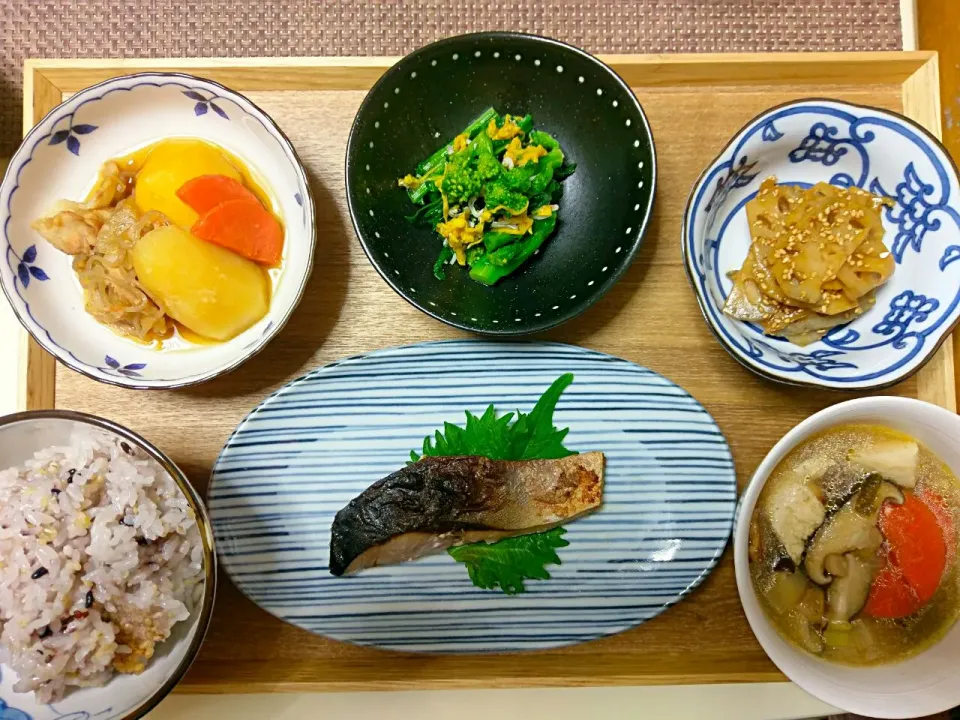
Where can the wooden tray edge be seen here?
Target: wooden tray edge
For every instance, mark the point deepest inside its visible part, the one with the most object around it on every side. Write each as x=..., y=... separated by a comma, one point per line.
x=639, y=70
x=47, y=81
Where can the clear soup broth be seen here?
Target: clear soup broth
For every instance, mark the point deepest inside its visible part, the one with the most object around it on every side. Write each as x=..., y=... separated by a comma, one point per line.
x=853, y=546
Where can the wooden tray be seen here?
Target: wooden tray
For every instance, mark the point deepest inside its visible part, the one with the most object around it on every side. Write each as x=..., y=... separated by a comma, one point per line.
x=695, y=104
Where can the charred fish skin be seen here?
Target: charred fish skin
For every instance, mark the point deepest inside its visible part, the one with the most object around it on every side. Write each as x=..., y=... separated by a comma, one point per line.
x=425, y=496
x=451, y=497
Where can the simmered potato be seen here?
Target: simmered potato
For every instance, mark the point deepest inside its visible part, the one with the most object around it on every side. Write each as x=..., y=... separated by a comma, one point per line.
x=211, y=291
x=168, y=166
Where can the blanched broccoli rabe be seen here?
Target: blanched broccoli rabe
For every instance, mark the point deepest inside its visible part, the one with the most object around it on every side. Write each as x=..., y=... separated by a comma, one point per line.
x=492, y=194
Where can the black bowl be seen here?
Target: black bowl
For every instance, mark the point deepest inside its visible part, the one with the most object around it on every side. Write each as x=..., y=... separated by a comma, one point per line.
x=428, y=97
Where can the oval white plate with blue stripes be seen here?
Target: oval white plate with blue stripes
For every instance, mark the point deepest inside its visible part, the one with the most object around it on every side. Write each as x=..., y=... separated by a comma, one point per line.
x=318, y=442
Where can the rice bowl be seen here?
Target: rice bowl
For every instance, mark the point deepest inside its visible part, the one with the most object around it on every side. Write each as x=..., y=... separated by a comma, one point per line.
x=105, y=552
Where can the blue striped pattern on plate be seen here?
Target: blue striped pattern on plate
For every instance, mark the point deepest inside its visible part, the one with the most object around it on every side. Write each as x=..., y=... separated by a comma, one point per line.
x=321, y=440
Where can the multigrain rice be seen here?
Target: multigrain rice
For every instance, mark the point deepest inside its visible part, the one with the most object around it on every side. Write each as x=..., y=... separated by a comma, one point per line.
x=100, y=556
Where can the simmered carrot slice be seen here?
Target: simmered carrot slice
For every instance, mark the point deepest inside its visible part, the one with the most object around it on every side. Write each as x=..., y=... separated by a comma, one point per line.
x=205, y=192
x=244, y=227
x=916, y=544
x=916, y=558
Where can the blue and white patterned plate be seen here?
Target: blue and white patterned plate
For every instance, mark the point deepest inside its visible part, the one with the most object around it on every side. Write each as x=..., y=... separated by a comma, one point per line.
x=803, y=143
x=60, y=158
x=324, y=438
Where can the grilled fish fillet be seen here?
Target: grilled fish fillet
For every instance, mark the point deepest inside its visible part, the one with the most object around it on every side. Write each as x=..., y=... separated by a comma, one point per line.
x=439, y=502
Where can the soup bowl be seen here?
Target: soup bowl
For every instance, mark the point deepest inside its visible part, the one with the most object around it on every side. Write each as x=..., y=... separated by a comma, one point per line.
x=921, y=685
x=60, y=159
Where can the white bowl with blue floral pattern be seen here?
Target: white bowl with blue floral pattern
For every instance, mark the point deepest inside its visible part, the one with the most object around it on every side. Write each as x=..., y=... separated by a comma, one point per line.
x=809, y=141
x=60, y=159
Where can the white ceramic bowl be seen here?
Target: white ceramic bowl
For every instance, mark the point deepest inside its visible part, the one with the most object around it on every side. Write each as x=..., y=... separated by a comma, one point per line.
x=809, y=141
x=923, y=685
x=124, y=697
x=60, y=159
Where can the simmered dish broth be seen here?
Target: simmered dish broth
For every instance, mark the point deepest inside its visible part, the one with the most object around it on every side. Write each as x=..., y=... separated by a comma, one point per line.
x=853, y=546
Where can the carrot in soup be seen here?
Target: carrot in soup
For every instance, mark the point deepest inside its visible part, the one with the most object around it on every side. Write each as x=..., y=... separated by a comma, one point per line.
x=891, y=595
x=205, y=192
x=246, y=228
x=916, y=559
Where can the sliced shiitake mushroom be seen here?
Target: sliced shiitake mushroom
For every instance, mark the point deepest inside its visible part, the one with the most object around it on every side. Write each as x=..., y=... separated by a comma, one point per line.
x=847, y=594
x=836, y=565
x=852, y=528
